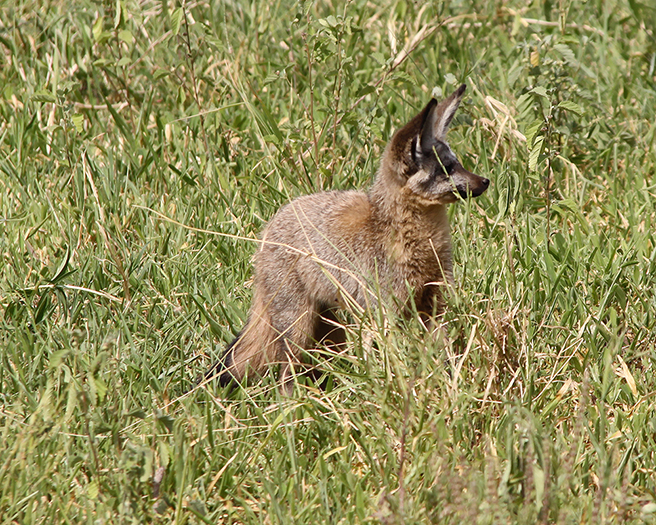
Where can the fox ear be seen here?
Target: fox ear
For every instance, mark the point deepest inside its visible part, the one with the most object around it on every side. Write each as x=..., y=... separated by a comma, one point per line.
x=413, y=143
x=436, y=122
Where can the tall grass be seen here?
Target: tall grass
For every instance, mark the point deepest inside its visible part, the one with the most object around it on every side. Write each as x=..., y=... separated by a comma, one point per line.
x=143, y=146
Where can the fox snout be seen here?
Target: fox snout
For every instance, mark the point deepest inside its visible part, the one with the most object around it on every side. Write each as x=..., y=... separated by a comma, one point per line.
x=468, y=183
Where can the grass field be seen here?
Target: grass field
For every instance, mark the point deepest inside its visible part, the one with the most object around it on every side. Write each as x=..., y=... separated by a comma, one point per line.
x=143, y=146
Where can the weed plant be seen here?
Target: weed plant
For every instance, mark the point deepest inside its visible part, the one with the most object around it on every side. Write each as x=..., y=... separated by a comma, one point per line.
x=143, y=146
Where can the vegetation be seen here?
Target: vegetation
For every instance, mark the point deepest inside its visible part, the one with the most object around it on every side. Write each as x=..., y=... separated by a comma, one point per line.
x=143, y=146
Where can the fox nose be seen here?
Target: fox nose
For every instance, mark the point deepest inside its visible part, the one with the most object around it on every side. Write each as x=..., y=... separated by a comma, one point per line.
x=472, y=184
x=480, y=186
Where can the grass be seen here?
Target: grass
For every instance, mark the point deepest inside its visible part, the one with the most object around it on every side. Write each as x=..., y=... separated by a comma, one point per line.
x=143, y=146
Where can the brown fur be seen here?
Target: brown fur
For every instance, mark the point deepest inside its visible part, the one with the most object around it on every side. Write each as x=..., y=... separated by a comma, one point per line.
x=326, y=250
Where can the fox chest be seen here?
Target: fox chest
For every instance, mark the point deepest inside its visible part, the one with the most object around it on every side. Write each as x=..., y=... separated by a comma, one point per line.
x=420, y=257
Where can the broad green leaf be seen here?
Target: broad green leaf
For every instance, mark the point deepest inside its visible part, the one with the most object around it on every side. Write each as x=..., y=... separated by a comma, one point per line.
x=43, y=96
x=118, y=16
x=78, y=122
x=534, y=156
x=379, y=57
x=176, y=20
x=533, y=129
x=160, y=73
x=538, y=482
x=571, y=106
x=540, y=91
x=566, y=53
x=126, y=36
x=97, y=28
x=58, y=357
x=93, y=490
x=100, y=387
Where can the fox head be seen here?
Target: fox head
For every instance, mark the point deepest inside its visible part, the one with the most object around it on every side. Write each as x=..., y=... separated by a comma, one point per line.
x=419, y=159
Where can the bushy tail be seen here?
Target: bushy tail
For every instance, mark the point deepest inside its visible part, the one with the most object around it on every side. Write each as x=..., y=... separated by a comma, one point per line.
x=250, y=352
x=222, y=366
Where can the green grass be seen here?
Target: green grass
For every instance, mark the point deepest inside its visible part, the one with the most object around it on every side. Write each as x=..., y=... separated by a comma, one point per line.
x=143, y=146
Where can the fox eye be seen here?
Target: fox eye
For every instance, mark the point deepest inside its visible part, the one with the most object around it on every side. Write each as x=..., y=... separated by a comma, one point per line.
x=448, y=167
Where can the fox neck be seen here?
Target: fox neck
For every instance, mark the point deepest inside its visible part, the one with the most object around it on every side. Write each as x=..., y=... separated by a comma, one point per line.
x=419, y=238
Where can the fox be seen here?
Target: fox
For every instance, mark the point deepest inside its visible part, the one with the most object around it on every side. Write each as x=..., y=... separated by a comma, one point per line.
x=324, y=251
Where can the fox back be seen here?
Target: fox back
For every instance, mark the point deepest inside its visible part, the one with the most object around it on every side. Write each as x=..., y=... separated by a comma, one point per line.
x=324, y=251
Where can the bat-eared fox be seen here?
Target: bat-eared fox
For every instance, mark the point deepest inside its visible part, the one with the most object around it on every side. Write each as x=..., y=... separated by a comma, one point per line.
x=323, y=251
